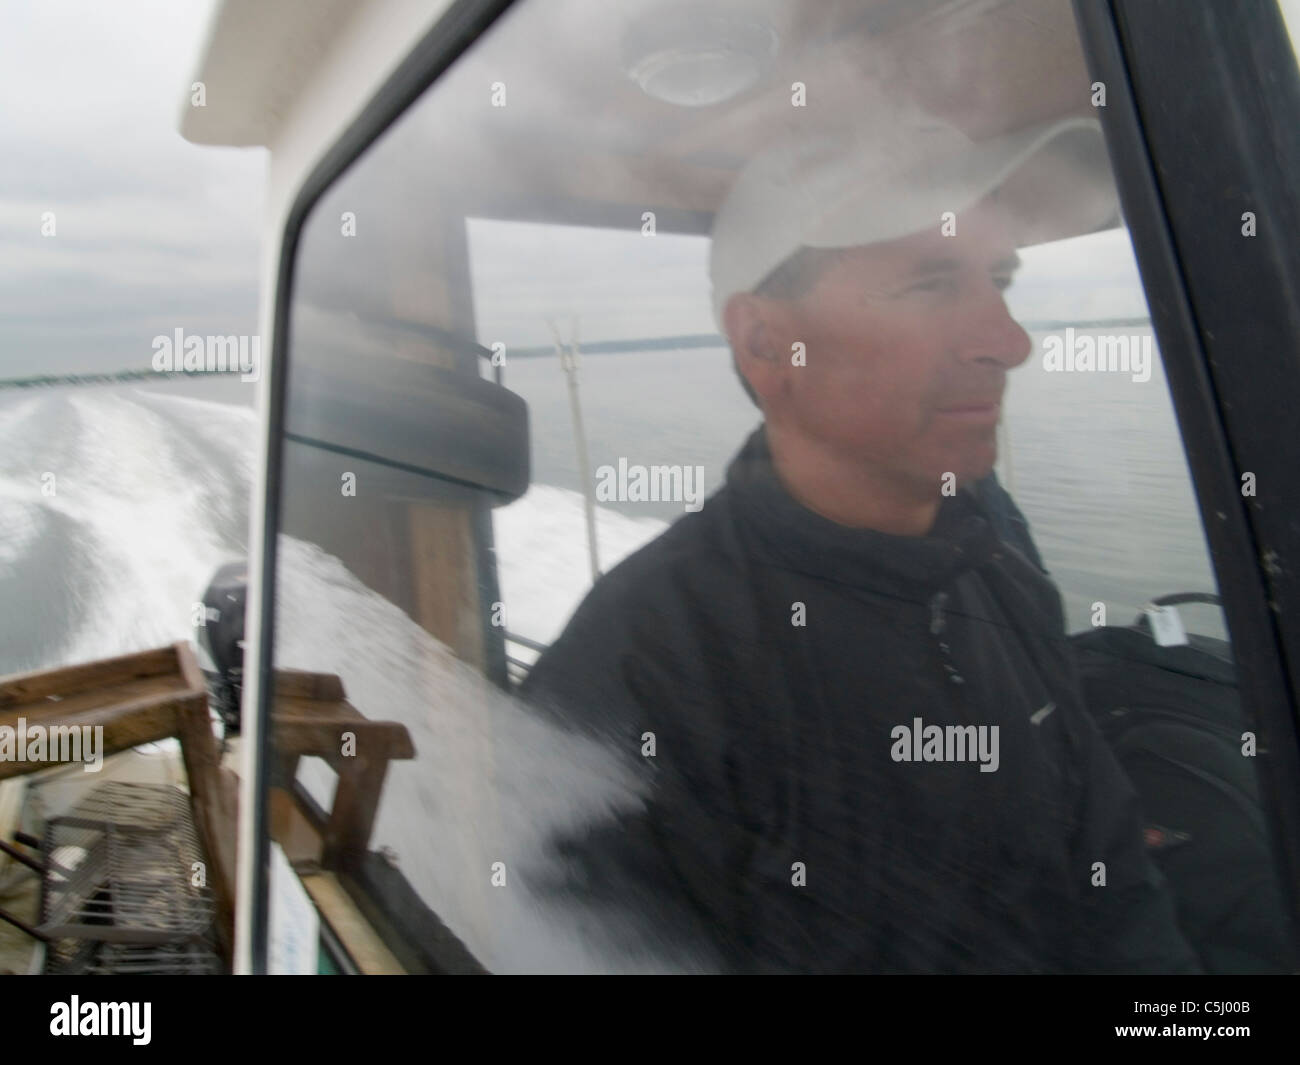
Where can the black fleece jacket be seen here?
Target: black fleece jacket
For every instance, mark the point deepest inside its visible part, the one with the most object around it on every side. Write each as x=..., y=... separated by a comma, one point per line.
x=774, y=655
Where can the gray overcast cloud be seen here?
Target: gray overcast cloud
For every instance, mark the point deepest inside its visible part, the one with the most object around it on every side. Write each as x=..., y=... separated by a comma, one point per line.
x=152, y=233
x=155, y=234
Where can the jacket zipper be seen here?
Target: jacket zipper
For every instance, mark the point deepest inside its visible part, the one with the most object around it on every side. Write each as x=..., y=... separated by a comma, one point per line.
x=938, y=629
x=955, y=683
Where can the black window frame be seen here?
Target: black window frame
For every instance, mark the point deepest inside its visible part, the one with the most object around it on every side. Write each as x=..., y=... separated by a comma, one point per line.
x=1224, y=310
x=1165, y=64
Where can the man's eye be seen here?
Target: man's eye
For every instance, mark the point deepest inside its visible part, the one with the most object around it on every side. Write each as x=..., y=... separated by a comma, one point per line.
x=934, y=284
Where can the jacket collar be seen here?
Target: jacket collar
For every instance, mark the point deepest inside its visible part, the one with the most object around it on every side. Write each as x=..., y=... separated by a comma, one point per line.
x=799, y=539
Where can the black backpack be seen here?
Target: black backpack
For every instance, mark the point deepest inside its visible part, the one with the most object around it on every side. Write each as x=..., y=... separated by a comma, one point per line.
x=1173, y=717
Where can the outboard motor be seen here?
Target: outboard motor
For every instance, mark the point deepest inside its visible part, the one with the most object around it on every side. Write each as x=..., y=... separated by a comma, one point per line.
x=221, y=641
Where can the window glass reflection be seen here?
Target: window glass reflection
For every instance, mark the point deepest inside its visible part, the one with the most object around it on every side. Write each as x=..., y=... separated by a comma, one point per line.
x=704, y=461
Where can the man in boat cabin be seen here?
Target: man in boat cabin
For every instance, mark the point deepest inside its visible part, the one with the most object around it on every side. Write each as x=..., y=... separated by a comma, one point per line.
x=860, y=731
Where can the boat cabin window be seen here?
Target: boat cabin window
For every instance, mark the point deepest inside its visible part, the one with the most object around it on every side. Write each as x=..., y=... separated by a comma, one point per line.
x=730, y=442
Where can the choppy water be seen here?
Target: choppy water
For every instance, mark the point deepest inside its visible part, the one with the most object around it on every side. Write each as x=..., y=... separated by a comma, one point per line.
x=150, y=495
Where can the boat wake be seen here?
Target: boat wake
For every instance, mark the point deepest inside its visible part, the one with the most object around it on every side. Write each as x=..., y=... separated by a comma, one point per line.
x=149, y=495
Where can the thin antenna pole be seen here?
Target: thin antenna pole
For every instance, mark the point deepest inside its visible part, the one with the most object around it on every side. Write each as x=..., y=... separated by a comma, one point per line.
x=569, y=364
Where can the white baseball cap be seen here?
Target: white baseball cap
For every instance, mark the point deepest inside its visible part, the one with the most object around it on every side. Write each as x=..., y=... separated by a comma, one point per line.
x=895, y=178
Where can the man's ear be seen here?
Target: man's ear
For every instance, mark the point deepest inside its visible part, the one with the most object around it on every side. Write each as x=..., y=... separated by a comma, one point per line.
x=748, y=320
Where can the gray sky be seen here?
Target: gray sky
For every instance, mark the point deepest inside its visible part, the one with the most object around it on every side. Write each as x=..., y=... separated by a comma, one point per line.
x=152, y=233
x=155, y=234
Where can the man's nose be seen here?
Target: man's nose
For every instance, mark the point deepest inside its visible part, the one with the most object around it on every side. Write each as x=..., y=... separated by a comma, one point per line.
x=989, y=332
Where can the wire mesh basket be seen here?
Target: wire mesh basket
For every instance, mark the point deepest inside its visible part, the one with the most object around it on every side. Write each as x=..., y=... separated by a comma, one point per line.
x=120, y=891
x=94, y=958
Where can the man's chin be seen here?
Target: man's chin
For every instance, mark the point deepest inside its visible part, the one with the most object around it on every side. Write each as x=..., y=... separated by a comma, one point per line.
x=973, y=465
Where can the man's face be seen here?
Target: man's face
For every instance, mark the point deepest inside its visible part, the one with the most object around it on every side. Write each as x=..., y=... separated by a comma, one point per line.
x=907, y=347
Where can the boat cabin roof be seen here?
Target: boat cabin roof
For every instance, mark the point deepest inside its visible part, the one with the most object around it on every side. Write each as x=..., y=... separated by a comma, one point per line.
x=581, y=137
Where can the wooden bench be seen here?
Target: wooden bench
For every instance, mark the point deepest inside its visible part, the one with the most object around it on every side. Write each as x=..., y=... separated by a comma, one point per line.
x=160, y=694
x=312, y=717
x=141, y=698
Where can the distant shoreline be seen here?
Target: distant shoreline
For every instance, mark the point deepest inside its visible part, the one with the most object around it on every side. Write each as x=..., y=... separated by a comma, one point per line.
x=600, y=347
x=717, y=340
